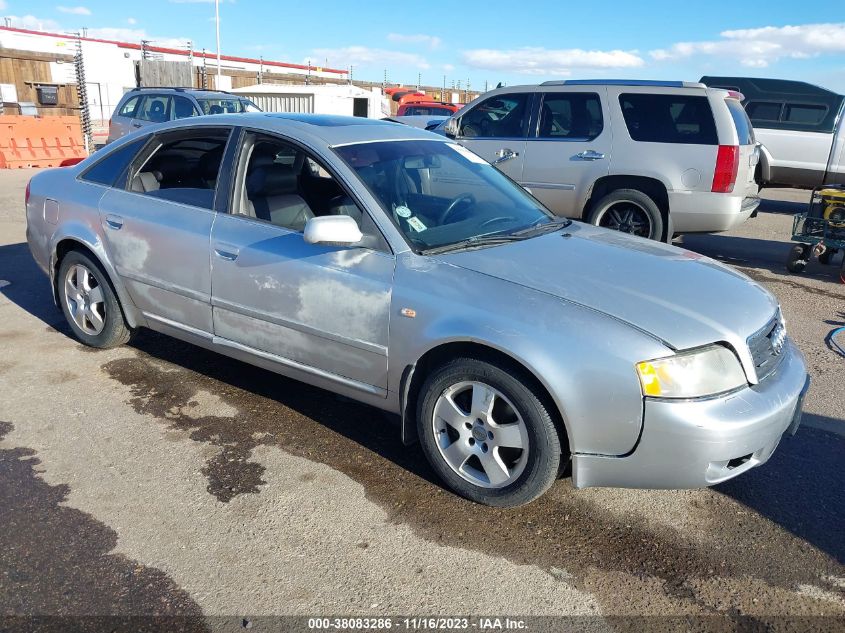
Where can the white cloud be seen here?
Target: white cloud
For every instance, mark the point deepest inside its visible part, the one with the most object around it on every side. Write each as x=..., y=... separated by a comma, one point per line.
x=74, y=10
x=362, y=55
x=759, y=47
x=3, y=5
x=532, y=60
x=131, y=21
x=432, y=41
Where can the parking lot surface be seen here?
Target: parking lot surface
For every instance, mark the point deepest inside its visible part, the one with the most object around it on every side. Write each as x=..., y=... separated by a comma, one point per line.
x=158, y=478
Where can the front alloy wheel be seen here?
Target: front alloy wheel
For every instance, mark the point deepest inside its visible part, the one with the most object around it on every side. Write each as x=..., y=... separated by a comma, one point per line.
x=480, y=434
x=488, y=432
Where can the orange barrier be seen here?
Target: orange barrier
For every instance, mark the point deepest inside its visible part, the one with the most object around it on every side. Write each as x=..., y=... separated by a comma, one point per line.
x=42, y=141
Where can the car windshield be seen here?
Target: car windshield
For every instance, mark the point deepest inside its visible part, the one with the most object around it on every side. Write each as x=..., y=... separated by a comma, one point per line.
x=222, y=106
x=441, y=194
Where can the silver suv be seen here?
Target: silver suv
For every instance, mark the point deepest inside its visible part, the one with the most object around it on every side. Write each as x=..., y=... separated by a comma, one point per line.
x=652, y=158
x=148, y=106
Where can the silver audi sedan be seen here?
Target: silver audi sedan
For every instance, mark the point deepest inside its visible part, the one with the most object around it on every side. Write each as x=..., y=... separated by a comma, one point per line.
x=393, y=266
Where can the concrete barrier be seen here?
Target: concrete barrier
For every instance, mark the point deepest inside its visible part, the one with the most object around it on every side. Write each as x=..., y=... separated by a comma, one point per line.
x=43, y=141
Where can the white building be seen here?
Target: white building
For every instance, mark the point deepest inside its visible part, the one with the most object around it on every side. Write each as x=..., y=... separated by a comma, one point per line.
x=344, y=99
x=110, y=65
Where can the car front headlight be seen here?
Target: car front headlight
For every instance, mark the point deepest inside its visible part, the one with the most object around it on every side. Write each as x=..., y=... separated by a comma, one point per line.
x=701, y=372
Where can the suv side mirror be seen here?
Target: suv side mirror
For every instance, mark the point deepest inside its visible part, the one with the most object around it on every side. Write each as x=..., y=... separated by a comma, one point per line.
x=452, y=127
x=332, y=230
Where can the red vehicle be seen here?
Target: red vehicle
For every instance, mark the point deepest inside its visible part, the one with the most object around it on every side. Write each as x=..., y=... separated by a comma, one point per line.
x=427, y=108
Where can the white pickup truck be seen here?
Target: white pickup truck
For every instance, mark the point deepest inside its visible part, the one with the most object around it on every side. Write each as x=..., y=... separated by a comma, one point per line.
x=799, y=127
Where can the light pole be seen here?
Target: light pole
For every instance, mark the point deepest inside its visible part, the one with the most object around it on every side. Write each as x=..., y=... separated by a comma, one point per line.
x=217, y=23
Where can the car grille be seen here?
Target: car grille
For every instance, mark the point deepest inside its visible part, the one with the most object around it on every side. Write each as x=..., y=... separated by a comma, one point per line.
x=765, y=350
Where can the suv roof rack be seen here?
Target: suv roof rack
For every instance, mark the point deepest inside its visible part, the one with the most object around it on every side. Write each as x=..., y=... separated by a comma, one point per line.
x=183, y=89
x=624, y=82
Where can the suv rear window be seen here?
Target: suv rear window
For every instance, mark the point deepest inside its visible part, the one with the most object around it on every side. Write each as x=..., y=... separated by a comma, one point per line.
x=744, y=131
x=656, y=118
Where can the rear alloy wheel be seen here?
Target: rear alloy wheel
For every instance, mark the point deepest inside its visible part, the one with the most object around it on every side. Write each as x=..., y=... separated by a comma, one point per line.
x=629, y=211
x=487, y=434
x=89, y=303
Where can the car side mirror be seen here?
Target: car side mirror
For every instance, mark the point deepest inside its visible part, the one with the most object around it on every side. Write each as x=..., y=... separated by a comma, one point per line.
x=451, y=128
x=332, y=230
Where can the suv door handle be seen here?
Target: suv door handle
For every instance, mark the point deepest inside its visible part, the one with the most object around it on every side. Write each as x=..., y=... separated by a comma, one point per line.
x=114, y=222
x=227, y=252
x=504, y=154
x=136, y=125
x=590, y=155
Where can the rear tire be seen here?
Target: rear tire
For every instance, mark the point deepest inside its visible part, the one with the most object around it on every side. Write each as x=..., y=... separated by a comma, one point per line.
x=629, y=211
x=89, y=303
x=487, y=433
x=797, y=260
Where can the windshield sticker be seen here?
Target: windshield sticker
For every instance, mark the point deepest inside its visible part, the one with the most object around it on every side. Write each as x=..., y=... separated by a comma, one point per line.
x=403, y=212
x=416, y=224
x=463, y=151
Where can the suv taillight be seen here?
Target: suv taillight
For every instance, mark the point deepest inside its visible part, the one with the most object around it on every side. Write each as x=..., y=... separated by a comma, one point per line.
x=26, y=195
x=727, y=164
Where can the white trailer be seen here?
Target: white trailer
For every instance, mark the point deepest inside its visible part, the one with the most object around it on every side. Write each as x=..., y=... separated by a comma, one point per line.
x=345, y=100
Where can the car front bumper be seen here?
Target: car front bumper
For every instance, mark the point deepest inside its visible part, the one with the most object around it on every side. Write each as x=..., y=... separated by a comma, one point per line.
x=696, y=443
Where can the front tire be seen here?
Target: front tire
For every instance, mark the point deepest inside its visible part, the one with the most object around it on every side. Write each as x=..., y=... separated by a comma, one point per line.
x=487, y=433
x=629, y=211
x=89, y=303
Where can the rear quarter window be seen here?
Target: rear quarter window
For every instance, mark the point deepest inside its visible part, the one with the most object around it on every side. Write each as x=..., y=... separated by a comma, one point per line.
x=659, y=118
x=744, y=130
x=111, y=169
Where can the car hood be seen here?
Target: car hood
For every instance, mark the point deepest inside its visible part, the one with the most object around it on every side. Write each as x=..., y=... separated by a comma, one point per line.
x=682, y=298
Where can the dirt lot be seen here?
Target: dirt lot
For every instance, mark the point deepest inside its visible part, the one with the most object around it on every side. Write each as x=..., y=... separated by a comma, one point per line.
x=162, y=479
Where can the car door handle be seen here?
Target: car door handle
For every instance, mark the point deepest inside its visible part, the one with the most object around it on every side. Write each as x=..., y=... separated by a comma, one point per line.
x=590, y=155
x=227, y=252
x=504, y=154
x=114, y=222
x=136, y=125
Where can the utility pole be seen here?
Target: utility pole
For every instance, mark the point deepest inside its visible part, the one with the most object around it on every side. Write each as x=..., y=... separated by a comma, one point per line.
x=261, y=69
x=308, y=76
x=443, y=90
x=204, y=71
x=217, y=25
x=466, y=93
x=384, y=81
x=419, y=81
x=349, y=74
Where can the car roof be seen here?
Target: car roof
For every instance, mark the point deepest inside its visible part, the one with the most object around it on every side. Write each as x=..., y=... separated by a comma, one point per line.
x=325, y=129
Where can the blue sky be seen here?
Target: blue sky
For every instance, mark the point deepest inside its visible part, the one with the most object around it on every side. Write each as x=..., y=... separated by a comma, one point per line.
x=512, y=42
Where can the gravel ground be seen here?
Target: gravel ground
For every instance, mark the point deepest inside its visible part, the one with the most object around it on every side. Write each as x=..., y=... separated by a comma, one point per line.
x=161, y=479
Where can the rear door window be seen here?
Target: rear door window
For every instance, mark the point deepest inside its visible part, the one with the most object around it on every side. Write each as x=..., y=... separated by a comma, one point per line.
x=154, y=108
x=570, y=116
x=744, y=131
x=182, y=168
x=661, y=118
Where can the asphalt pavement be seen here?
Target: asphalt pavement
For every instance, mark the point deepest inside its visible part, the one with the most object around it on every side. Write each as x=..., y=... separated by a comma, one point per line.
x=162, y=479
